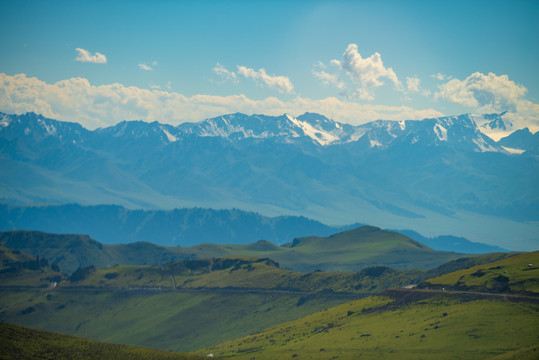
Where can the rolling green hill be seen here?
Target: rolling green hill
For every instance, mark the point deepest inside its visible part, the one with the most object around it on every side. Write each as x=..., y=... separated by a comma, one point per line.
x=518, y=273
x=19, y=269
x=179, y=320
x=194, y=304
x=241, y=273
x=347, y=251
x=417, y=323
x=187, y=305
x=19, y=343
x=408, y=325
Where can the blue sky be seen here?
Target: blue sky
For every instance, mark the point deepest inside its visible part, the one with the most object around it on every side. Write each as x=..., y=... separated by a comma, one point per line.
x=176, y=61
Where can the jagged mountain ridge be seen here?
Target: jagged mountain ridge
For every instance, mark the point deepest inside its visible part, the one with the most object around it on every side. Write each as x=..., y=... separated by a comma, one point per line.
x=385, y=173
x=455, y=130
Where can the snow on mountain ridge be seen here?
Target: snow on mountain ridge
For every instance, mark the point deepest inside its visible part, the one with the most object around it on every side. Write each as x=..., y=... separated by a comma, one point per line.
x=461, y=130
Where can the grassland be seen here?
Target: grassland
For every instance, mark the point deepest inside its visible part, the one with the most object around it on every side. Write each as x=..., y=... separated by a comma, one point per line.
x=518, y=273
x=187, y=305
x=19, y=343
x=19, y=269
x=440, y=327
x=255, y=309
x=347, y=251
x=242, y=273
x=168, y=320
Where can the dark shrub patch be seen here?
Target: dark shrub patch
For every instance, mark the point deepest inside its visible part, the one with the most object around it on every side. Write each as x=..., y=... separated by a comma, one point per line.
x=111, y=275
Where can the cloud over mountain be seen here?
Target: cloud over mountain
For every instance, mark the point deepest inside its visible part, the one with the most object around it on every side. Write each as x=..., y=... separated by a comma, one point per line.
x=496, y=93
x=76, y=99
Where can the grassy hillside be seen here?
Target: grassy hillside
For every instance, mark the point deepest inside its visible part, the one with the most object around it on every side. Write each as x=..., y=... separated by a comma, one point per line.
x=241, y=273
x=347, y=251
x=187, y=305
x=518, y=273
x=19, y=343
x=73, y=251
x=431, y=326
x=19, y=269
x=181, y=320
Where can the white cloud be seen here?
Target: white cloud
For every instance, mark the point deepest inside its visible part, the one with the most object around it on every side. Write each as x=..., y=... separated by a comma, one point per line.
x=364, y=94
x=412, y=83
x=484, y=92
x=440, y=76
x=328, y=79
x=86, y=56
x=367, y=72
x=280, y=83
x=224, y=73
x=155, y=63
x=76, y=99
x=145, y=67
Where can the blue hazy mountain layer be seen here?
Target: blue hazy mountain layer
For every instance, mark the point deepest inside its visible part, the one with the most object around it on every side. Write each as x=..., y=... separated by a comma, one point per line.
x=385, y=173
x=522, y=139
x=112, y=224
x=452, y=243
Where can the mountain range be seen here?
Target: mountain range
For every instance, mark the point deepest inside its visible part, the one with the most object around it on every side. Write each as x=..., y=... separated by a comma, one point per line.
x=113, y=224
x=434, y=176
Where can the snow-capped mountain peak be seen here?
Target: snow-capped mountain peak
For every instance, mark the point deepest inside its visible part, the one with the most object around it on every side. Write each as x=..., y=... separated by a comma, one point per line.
x=240, y=126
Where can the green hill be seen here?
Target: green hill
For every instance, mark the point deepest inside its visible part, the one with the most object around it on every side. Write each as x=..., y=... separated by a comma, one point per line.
x=417, y=323
x=400, y=325
x=365, y=246
x=187, y=305
x=241, y=273
x=19, y=343
x=347, y=251
x=177, y=320
x=19, y=269
x=518, y=273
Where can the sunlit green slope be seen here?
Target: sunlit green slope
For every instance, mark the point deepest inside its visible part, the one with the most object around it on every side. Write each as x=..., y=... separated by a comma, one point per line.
x=431, y=326
x=518, y=273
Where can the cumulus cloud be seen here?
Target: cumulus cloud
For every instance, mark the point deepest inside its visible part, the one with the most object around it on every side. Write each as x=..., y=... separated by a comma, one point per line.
x=412, y=84
x=367, y=72
x=484, y=92
x=86, y=56
x=145, y=67
x=280, y=83
x=76, y=99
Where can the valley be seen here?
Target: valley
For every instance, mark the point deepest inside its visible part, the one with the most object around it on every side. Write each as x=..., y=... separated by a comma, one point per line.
x=269, y=180
x=245, y=307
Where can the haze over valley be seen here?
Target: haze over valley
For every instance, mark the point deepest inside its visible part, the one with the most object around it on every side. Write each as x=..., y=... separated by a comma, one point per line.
x=269, y=180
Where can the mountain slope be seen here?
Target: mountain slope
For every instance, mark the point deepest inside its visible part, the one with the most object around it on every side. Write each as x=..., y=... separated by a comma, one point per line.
x=445, y=173
x=19, y=269
x=115, y=224
x=394, y=326
x=518, y=273
x=349, y=251
x=521, y=141
x=23, y=343
x=413, y=323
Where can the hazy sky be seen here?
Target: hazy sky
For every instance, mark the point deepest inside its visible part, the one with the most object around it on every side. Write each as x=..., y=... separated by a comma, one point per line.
x=172, y=61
